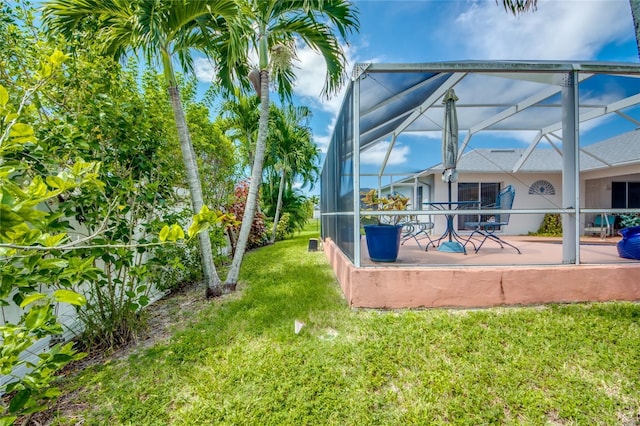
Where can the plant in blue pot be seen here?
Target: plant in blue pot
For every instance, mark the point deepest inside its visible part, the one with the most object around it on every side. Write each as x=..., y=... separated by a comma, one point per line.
x=629, y=245
x=383, y=237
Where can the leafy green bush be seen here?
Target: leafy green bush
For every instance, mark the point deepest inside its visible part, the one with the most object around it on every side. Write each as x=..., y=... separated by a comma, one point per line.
x=34, y=274
x=309, y=207
x=551, y=226
x=293, y=202
x=103, y=114
x=285, y=228
x=629, y=220
x=174, y=265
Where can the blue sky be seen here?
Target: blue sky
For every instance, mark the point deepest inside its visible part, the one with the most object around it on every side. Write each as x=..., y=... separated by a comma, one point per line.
x=447, y=30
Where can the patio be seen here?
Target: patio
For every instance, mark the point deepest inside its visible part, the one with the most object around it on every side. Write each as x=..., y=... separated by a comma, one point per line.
x=535, y=251
x=491, y=277
x=546, y=120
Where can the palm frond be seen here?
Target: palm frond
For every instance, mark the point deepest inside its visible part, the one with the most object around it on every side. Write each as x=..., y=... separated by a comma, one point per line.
x=154, y=27
x=111, y=22
x=321, y=39
x=517, y=7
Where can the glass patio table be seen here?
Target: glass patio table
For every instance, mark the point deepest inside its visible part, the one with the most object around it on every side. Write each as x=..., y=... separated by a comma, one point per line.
x=454, y=242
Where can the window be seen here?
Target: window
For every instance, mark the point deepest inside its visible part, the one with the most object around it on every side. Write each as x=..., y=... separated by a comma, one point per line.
x=625, y=195
x=486, y=192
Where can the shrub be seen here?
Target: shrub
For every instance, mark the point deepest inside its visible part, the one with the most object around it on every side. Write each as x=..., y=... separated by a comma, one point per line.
x=551, y=226
x=629, y=220
x=285, y=229
x=258, y=235
x=35, y=275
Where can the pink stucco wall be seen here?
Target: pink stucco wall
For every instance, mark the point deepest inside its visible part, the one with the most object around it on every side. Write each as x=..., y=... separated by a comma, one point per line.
x=412, y=287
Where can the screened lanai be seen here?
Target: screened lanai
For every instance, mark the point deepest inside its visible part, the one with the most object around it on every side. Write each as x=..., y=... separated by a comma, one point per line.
x=558, y=106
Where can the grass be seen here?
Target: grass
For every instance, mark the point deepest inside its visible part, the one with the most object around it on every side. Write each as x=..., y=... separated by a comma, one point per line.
x=239, y=361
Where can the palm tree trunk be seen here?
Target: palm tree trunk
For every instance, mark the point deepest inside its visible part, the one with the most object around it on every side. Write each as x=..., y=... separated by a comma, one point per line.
x=212, y=281
x=276, y=218
x=635, y=14
x=254, y=185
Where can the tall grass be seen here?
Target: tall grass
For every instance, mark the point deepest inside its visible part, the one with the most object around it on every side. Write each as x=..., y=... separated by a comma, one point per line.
x=240, y=362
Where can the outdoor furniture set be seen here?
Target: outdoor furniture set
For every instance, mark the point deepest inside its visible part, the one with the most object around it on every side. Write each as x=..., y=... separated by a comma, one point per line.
x=483, y=230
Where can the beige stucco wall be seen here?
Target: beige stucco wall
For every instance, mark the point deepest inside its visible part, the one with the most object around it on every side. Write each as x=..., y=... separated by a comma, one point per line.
x=519, y=224
x=596, y=186
x=595, y=192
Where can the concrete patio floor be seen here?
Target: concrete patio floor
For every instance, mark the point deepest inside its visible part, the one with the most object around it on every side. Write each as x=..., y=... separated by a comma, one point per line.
x=535, y=251
x=491, y=277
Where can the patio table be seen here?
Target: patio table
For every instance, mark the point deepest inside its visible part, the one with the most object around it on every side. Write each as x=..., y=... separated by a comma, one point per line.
x=454, y=243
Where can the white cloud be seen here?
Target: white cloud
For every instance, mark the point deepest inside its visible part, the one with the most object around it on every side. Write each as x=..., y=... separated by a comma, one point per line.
x=558, y=30
x=375, y=155
x=311, y=70
x=322, y=142
x=204, y=70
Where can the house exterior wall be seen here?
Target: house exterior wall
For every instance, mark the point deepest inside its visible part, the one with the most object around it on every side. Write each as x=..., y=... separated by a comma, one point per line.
x=595, y=192
x=629, y=172
x=407, y=190
x=596, y=186
x=519, y=224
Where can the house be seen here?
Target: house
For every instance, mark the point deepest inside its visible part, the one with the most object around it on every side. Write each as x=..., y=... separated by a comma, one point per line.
x=609, y=179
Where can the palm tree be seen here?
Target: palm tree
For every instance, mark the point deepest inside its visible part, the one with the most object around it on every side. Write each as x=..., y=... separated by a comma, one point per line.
x=240, y=117
x=294, y=207
x=164, y=32
x=315, y=200
x=293, y=151
x=522, y=6
x=273, y=28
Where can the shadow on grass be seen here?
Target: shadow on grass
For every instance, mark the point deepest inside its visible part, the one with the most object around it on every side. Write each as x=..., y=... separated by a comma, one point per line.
x=278, y=284
x=625, y=312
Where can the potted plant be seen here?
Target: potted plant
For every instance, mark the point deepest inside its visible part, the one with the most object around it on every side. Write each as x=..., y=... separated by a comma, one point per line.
x=383, y=238
x=629, y=245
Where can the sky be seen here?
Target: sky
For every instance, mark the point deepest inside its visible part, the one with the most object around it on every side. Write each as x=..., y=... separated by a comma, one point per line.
x=395, y=31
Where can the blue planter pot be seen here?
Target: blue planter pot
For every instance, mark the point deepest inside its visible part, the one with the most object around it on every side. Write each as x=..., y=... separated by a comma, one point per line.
x=383, y=242
x=629, y=246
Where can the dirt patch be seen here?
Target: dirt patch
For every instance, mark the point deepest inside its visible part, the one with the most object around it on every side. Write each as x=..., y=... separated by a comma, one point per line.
x=163, y=318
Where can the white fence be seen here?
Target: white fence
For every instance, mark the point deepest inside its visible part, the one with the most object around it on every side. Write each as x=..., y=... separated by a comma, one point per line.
x=66, y=313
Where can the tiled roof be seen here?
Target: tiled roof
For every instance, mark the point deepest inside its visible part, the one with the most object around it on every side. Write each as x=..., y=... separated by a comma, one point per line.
x=620, y=150
x=623, y=149
x=491, y=160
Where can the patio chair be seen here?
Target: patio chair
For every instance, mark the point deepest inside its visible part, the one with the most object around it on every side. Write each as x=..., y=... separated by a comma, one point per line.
x=486, y=229
x=602, y=224
x=418, y=231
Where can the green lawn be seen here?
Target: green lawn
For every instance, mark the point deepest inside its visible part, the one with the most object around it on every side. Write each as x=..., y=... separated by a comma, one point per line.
x=240, y=363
